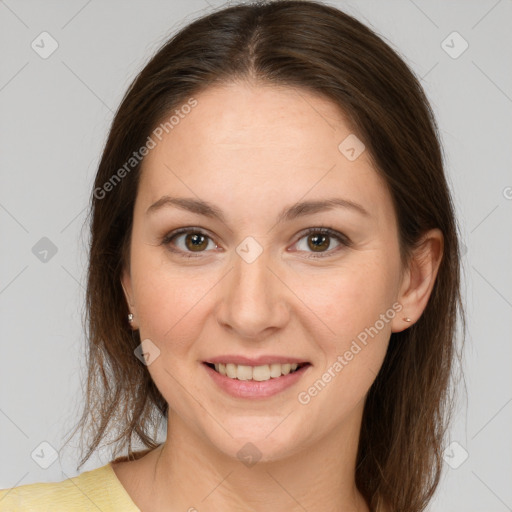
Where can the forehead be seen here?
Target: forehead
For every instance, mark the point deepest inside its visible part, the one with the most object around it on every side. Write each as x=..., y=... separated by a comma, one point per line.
x=255, y=143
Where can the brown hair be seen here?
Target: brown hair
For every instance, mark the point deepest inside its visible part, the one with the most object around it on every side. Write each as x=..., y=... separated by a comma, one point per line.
x=320, y=49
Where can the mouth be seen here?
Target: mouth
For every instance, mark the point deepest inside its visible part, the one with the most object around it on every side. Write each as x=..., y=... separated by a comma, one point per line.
x=259, y=373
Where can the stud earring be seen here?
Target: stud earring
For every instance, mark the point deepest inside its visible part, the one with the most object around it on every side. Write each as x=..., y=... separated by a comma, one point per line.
x=406, y=319
x=130, y=317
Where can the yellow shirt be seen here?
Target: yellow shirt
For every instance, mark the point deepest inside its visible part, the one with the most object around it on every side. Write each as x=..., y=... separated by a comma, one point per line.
x=91, y=491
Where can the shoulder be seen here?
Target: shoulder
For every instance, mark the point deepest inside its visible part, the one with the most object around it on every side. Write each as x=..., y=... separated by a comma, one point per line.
x=89, y=491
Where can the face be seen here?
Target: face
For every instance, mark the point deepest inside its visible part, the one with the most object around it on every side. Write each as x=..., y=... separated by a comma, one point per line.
x=252, y=278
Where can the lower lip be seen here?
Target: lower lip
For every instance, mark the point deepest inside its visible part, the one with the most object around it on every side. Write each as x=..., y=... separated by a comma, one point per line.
x=255, y=389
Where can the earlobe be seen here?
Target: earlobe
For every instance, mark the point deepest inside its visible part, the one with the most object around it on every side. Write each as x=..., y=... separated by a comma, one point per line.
x=419, y=279
x=126, y=283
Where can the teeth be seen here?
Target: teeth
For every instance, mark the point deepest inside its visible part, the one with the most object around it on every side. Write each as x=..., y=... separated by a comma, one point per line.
x=275, y=370
x=258, y=373
x=230, y=370
x=243, y=372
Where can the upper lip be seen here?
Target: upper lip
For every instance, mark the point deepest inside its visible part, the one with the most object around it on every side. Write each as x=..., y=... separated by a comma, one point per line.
x=254, y=361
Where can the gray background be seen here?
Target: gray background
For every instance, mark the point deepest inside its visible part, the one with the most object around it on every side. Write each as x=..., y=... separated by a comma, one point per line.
x=54, y=117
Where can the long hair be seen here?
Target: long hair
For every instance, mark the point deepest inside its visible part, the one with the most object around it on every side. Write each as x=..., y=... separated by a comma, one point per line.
x=315, y=48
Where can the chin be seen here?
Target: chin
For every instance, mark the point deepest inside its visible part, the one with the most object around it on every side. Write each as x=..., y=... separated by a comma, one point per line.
x=256, y=441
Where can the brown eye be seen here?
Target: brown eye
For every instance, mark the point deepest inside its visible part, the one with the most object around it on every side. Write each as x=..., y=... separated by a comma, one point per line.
x=323, y=241
x=186, y=241
x=318, y=243
x=196, y=242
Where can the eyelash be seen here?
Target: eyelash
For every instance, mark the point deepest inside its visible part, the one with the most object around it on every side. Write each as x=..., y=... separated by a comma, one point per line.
x=340, y=237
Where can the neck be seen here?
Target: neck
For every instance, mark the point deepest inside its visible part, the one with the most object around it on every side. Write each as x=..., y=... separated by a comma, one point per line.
x=191, y=474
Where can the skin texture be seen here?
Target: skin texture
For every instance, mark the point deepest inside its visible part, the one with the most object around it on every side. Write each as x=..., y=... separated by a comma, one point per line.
x=252, y=150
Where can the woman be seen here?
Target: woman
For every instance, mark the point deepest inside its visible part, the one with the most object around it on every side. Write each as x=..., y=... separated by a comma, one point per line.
x=274, y=272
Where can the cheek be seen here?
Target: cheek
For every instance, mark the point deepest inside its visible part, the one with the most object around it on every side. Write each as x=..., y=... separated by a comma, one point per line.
x=170, y=301
x=171, y=305
x=358, y=308
x=356, y=304
x=348, y=299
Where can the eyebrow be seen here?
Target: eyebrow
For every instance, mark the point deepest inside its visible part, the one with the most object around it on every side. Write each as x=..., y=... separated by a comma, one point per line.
x=201, y=207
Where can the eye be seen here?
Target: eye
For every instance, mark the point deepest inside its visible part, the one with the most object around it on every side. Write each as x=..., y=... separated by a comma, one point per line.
x=188, y=241
x=319, y=240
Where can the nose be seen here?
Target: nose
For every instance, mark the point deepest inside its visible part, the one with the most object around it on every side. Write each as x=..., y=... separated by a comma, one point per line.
x=253, y=299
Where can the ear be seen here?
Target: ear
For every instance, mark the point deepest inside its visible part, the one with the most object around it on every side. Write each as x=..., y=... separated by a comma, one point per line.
x=419, y=278
x=126, y=283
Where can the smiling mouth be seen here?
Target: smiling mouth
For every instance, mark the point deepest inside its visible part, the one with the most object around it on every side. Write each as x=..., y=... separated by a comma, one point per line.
x=256, y=373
